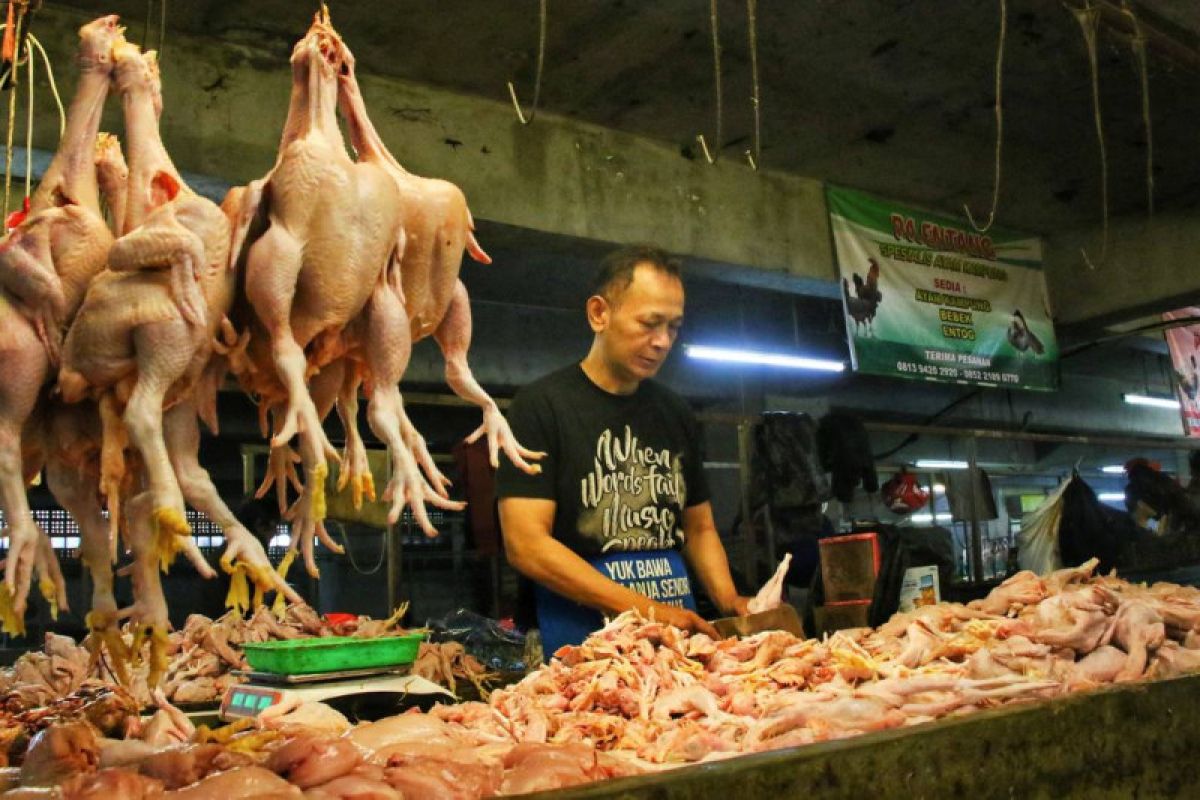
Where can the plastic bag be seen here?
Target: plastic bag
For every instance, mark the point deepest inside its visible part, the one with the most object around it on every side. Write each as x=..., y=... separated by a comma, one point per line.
x=1038, y=542
x=497, y=647
x=902, y=494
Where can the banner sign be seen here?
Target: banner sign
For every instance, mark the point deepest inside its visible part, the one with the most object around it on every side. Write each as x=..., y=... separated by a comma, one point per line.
x=926, y=297
x=1184, y=344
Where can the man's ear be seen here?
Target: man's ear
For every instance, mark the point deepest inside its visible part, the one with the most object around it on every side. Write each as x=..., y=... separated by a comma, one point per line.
x=598, y=311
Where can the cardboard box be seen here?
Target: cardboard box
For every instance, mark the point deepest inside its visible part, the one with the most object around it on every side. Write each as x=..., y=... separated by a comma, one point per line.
x=849, y=565
x=840, y=616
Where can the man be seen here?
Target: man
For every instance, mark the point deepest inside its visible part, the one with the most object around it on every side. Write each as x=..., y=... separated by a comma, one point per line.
x=622, y=488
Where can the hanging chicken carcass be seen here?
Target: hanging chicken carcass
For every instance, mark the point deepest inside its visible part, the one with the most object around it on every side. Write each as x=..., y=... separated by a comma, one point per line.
x=141, y=346
x=437, y=228
x=316, y=281
x=46, y=264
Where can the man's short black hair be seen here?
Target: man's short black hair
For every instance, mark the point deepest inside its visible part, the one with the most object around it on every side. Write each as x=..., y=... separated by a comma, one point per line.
x=616, y=271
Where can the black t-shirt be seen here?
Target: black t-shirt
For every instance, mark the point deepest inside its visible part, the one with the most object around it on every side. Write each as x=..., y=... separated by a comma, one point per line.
x=621, y=468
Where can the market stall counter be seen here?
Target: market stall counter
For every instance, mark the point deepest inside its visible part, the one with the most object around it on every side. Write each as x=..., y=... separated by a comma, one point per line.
x=1134, y=741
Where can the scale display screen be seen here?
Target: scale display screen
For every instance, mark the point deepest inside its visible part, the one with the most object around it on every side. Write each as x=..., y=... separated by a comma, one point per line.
x=248, y=701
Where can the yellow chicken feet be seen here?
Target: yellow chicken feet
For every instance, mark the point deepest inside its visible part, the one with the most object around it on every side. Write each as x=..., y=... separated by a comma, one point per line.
x=279, y=607
x=355, y=472
x=11, y=622
x=105, y=637
x=245, y=562
x=307, y=517
x=159, y=660
x=51, y=584
x=169, y=529
x=281, y=471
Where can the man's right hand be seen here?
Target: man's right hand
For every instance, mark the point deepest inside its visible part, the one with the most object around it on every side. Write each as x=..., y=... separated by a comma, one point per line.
x=685, y=619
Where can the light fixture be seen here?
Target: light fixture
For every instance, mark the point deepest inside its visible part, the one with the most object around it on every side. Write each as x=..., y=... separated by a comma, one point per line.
x=1111, y=497
x=1113, y=469
x=1148, y=400
x=939, y=488
x=934, y=463
x=732, y=356
x=922, y=519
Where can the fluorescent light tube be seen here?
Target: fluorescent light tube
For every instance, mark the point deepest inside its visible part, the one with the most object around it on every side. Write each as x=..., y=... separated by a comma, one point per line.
x=922, y=519
x=732, y=356
x=1113, y=469
x=1147, y=400
x=1111, y=497
x=934, y=463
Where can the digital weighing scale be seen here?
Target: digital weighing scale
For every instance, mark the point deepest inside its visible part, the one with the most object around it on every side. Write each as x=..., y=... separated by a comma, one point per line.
x=265, y=689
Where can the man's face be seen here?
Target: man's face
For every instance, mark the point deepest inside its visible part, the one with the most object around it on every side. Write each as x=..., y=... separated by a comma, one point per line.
x=638, y=329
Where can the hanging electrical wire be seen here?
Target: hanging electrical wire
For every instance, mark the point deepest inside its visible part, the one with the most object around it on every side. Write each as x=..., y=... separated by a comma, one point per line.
x=711, y=155
x=755, y=99
x=1138, y=43
x=537, y=79
x=999, y=125
x=1088, y=18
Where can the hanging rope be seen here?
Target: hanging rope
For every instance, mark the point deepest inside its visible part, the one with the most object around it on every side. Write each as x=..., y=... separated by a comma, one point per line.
x=162, y=31
x=1088, y=18
x=709, y=155
x=62, y=113
x=28, y=123
x=1138, y=43
x=755, y=102
x=162, y=26
x=999, y=125
x=12, y=113
x=12, y=76
x=537, y=79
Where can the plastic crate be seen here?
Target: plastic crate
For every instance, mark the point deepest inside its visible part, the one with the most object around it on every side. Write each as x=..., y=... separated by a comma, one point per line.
x=331, y=653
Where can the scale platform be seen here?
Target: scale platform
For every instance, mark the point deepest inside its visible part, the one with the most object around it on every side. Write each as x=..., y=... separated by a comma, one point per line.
x=265, y=689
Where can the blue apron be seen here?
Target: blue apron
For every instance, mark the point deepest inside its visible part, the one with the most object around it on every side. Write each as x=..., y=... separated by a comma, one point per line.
x=658, y=574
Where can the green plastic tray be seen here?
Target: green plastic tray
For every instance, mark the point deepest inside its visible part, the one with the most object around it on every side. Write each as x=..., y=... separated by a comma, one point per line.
x=331, y=653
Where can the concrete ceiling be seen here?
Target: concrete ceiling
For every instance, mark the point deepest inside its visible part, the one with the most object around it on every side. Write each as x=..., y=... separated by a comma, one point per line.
x=894, y=96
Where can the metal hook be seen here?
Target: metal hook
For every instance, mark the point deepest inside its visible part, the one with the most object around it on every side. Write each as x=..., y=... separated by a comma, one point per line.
x=716, y=43
x=537, y=80
x=752, y=28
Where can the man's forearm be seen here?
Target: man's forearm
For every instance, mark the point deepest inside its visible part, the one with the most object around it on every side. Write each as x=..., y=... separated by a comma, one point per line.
x=563, y=571
x=706, y=554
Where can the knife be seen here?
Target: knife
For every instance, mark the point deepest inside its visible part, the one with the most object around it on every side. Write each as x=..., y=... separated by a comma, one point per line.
x=781, y=618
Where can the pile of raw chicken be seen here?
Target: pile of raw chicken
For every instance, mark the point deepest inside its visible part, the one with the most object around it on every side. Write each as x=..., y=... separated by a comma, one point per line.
x=308, y=284
x=639, y=696
x=202, y=656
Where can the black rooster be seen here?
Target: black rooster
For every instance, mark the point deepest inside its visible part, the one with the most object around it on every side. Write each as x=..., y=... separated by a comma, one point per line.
x=862, y=305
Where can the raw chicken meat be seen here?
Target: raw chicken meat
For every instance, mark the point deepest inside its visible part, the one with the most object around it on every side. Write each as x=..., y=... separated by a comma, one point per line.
x=58, y=752
x=45, y=266
x=308, y=761
x=771, y=594
x=241, y=783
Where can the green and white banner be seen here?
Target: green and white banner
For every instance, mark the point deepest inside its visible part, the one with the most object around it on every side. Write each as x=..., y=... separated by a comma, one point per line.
x=926, y=297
